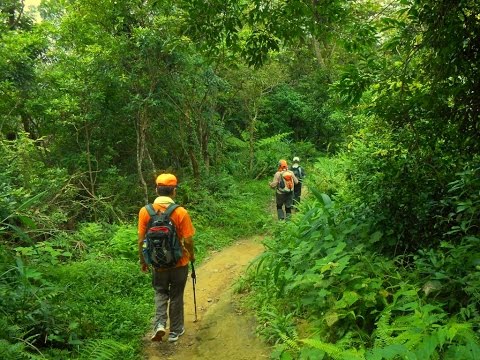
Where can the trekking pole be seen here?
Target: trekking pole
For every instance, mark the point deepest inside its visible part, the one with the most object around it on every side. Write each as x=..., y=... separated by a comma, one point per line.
x=194, y=280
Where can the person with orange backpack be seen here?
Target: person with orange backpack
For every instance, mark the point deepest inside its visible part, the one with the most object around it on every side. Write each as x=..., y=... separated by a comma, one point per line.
x=284, y=182
x=165, y=243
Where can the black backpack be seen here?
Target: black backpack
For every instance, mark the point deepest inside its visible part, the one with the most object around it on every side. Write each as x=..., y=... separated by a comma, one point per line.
x=298, y=171
x=161, y=246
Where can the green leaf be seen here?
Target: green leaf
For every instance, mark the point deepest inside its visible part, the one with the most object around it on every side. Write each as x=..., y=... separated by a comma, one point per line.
x=31, y=201
x=347, y=300
x=391, y=352
x=376, y=236
x=326, y=200
x=331, y=318
x=27, y=221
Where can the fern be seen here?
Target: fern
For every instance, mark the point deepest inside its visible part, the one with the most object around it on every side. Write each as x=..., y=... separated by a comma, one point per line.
x=383, y=331
x=334, y=351
x=422, y=334
x=237, y=143
x=291, y=342
x=394, y=351
x=18, y=351
x=272, y=139
x=35, y=356
x=11, y=351
x=103, y=349
x=91, y=234
x=331, y=349
x=470, y=351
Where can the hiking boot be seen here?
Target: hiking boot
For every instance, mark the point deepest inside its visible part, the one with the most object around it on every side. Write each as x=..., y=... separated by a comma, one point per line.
x=158, y=333
x=173, y=336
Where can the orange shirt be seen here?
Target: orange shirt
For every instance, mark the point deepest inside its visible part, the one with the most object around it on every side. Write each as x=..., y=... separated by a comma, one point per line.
x=180, y=218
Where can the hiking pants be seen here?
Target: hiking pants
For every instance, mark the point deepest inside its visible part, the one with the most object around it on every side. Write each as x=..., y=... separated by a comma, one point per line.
x=284, y=199
x=169, y=285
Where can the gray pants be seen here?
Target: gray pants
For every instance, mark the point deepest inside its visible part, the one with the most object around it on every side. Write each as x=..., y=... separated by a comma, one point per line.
x=284, y=199
x=169, y=286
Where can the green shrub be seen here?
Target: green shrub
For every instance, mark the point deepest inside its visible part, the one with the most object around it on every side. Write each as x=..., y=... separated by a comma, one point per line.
x=123, y=244
x=52, y=302
x=35, y=200
x=327, y=175
x=105, y=299
x=32, y=304
x=322, y=267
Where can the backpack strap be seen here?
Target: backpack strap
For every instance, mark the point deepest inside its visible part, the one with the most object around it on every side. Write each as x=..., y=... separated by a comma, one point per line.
x=281, y=180
x=170, y=209
x=151, y=211
x=158, y=215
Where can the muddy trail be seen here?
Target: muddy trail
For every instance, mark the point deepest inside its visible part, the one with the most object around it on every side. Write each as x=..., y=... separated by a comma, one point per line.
x=221, y=331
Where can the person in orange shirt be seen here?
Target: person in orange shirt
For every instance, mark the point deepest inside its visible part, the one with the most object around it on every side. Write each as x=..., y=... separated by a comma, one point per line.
x=168, y=283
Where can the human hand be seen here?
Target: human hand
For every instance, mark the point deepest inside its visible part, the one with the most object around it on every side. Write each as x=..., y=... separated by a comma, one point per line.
x=144, y=267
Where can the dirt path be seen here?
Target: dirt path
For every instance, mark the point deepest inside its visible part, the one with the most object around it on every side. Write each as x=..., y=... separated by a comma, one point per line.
x=222, y=331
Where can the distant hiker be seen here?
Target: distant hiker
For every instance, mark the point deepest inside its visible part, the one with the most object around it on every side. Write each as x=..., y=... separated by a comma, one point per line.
x=168, y=282
x=300, y=174
x=284, y=181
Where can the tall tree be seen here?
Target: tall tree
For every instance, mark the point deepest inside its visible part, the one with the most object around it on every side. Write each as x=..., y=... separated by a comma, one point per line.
x=22, y=45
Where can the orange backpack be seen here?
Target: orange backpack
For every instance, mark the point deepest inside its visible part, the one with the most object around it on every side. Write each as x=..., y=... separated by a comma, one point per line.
x=286, y=183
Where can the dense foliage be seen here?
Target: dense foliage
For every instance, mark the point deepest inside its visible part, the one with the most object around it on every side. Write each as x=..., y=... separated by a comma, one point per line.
x=98, y=97
x=323, y=288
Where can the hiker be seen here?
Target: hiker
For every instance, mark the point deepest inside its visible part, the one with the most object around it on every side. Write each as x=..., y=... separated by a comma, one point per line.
x=300, y=174
x=168, y=283
x=284, y=182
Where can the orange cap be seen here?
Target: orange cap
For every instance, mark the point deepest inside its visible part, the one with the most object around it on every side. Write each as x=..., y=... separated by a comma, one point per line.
x=166, y=180
x=282, y=164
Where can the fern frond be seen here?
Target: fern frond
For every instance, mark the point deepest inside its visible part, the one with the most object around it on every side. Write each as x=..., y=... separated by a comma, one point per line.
x=31, y=356
x=103, y=349
x=383, y=331
x=11, y=351
x=237, y=143
x=291, y=342
x=272, y=139
x=334, y=351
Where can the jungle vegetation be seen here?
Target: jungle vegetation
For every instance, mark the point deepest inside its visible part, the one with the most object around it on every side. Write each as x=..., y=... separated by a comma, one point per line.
x=380, y=100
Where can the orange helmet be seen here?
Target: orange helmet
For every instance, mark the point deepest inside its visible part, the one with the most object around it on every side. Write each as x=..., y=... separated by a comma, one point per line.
x=282, y=165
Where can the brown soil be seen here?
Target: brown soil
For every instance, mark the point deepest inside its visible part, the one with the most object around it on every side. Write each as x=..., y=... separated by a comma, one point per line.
x=221, y=331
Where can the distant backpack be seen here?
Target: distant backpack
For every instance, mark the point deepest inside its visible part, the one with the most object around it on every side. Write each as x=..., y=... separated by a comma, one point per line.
x=286, y=183
x=298, y=171
x=161, y=246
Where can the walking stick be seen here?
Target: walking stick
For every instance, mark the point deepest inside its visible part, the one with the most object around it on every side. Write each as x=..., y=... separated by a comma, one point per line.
x=194, y=280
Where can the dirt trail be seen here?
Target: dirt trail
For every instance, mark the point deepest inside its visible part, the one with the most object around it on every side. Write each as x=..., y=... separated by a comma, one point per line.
x=222, y=331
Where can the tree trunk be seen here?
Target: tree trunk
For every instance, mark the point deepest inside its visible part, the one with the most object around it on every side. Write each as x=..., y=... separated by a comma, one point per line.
x=318, y=52
x=140, y=128
x=91, y=175
x=204, y=137
x=191, y=141
x=251, y=144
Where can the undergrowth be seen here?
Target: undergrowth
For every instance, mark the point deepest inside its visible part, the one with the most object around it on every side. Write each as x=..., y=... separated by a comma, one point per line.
x=322, y=290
